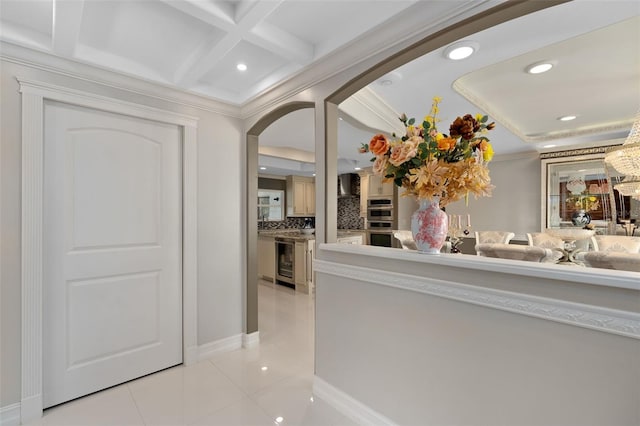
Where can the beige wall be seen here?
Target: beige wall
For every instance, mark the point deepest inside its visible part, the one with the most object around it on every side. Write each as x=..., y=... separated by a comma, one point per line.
x=219, y=139
x=515, y=204
x=417, y=358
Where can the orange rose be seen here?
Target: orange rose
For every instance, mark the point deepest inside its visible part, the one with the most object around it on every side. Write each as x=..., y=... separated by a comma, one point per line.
x=482, y=145
x=446, y=144
x=379, y=145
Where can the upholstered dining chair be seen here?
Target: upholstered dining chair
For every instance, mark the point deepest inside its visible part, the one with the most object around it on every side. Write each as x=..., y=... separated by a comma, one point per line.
x=406, y=240
x=500, y=237
x=515, y=252
x=545, y=240
x=493, y=237
x=619, y=261
x=616, y=243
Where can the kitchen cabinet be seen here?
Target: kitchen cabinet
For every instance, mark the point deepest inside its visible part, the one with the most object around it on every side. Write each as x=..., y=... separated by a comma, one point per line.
x=376, y=188
x=301, y=196
x=303, y=274
x=351, y=239
x=364, y=191
x=266, y=258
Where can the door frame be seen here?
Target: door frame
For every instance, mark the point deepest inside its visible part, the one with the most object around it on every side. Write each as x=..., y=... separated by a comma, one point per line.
x=34, y=94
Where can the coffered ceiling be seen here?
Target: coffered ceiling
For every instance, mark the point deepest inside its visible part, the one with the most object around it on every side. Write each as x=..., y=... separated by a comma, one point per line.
x=196, y=45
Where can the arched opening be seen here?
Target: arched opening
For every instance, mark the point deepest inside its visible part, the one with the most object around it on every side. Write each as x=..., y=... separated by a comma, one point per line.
x=251, y=202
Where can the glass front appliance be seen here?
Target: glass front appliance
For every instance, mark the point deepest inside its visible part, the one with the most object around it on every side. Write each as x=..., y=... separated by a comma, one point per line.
x=381, y=238
x=285, y=262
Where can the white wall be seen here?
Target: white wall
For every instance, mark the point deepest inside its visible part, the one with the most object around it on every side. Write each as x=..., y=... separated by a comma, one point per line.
x=507, y=347
x=516, y=200
x=220, y=175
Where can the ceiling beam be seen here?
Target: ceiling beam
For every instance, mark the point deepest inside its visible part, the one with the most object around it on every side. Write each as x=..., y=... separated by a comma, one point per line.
x=251, y=27
x=282, y=43
x=67, y=20
x=208, y=12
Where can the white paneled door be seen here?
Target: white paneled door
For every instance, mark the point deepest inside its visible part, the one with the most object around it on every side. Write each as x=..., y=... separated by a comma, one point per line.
x=112, y=304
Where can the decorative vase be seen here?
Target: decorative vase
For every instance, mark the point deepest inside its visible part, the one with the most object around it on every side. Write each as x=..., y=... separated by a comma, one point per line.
x=580, y=218
x=429, y=226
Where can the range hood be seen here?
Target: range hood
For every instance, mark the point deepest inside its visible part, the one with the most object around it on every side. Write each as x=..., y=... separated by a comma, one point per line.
x=346, y=182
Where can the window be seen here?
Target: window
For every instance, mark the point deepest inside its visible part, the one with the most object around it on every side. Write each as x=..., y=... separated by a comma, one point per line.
x=270, y=205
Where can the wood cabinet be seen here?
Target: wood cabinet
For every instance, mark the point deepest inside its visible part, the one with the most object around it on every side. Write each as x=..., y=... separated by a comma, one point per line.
x=266, y=258
x=377, y=189
x=364, y=191
x=301, y=196
x=303, y=273
x=351, y=239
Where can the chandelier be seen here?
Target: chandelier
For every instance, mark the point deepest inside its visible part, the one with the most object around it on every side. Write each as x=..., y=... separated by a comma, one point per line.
x=626, y=160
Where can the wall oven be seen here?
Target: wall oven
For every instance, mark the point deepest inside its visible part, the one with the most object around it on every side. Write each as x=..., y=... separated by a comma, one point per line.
x=380, y=222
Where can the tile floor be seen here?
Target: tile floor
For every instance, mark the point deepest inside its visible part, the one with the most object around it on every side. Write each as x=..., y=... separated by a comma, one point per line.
x=266, y=385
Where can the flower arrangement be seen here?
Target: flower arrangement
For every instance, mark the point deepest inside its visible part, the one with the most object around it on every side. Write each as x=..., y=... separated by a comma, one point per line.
x=431, y=164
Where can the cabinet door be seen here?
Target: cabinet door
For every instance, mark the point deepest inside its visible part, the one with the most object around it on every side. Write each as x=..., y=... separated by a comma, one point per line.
x=364, y=192
x=310, y=198
x=299, y=190
x=377, y=188
x=300, y=273
x=266, y=258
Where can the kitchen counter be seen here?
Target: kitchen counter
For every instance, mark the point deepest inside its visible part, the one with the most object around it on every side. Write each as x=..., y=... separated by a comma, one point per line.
x=296, y=235
x=293, y=234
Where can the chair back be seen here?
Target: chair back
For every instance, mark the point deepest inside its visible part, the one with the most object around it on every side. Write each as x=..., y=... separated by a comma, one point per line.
x=514, y=252
x=618, y=261
x=544, y=240
x=406, y=240
x=498, y=237
x=616, y=243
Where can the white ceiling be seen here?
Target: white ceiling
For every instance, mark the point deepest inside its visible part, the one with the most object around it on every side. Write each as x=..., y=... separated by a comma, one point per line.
x=195, y=45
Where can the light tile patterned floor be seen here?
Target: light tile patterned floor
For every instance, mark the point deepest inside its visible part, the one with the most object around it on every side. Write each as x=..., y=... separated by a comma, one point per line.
x=266, y=385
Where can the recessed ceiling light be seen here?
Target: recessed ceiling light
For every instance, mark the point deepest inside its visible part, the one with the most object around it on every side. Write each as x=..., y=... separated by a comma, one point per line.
x=386, y=82
x=264, y=368
x=461, y=50
x=549, y=146
x=279, y=419
x=567, y=117
x=241, y=67
x=539, y=67
x=357, y=168
x=263, y=168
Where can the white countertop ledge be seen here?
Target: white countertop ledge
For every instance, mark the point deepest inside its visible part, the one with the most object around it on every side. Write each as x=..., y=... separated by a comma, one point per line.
x=594, y=276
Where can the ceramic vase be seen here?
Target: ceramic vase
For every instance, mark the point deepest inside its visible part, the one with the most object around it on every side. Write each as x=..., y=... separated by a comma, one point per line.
x=429, y=226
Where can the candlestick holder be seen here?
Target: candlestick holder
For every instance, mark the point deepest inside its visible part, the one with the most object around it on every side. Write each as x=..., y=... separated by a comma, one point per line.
x=457, y=231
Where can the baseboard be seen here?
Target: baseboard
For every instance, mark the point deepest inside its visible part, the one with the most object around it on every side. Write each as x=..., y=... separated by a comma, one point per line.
x=251, y=340
x=227, y=344
x=350, y=407
x=10, y=415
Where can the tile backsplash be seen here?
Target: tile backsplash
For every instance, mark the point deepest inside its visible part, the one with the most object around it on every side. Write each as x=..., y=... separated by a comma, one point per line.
x=288, y=223
x=349, y=213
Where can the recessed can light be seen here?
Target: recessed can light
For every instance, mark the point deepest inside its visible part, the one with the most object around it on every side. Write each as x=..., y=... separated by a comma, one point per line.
x=539, y=67
x=263, y=168
x=357, y=168
x=567, y=117
x=549, y=146
x=241, y=67
x=461, y=50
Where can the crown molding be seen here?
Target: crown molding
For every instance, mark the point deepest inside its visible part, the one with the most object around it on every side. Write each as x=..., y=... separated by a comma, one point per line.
x=604, y=131
x=369, y=109
x=367, y=50
x=51, y=63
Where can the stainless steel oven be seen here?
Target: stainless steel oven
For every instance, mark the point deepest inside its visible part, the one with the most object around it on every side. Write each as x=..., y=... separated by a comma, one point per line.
x=285, y=262
x=380, y=222
x=380, y=209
